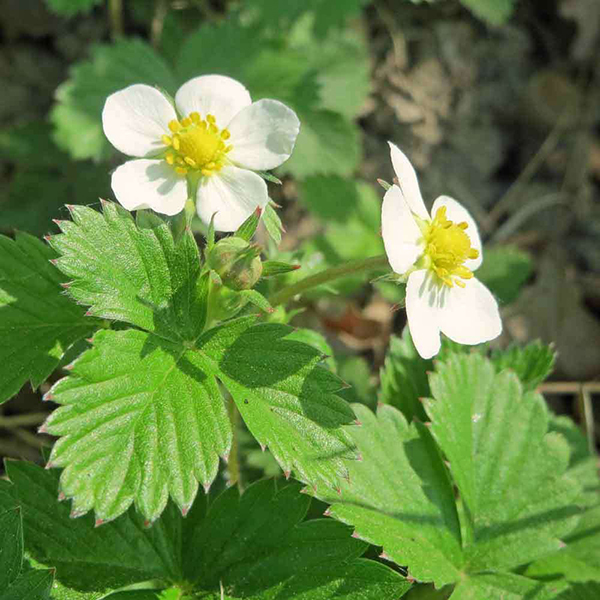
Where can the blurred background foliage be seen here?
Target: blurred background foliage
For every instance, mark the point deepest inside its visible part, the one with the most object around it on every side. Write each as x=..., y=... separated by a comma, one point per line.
x=496, y=102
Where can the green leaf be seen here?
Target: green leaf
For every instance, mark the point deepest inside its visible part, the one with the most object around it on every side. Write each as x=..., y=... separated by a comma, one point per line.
x=162, y=401
x=11, y=546
x=404, y=377
x=256, y=547
x=38, y=324
x=162, y=407
x=510, y=471
x=504, y=271
x=327, y=143
x=531, y=364
x=31, y=585
x=579, y=559
x=341, y=62
x=68, y=8
x=494, y=12
x=503, y=586
x=77, y=114
x=399, y=496
x=139, y=275
x=91, y=559
x=330, y=197
x=30, y=143
x=285, y=397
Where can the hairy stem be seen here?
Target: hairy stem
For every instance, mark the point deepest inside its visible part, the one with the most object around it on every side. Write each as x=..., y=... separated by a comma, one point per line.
x=349, y=268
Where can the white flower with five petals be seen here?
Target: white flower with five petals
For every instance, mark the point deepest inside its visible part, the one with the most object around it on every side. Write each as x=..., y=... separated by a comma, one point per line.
x=437, y=255
x=207, y=146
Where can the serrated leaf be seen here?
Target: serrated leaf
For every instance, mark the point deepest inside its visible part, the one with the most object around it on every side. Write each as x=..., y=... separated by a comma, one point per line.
x=92, y=559
x=71, y=7
x=404, y=377
x=532, y=364
x=327, y=143
x=162, y=401
x=494, y=12
x=77, y=114
x=285, y=397
x=11, y=546
x=399, y=496
x=161, y=405
x=256, y=547
x=139, y=275
x=38, y=323
x=509, y=470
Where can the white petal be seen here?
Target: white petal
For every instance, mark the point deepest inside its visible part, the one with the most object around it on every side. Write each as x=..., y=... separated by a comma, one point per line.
x=263, y=135
x=457, y=213
x=470, y=315
x=215, y=95
x=135, y=118
x=149, y=184
x=423, y=296
x=400, y=232
x=232, y=195
x=408, y=182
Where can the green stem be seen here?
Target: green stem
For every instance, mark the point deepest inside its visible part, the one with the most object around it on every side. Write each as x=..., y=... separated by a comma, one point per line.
x=233, y=464
x=115, y=14
x=349, y=268
x=23, y=420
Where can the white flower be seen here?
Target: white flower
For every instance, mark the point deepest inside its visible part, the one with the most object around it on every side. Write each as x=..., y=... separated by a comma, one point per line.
x=439, y=256
x=209, y=145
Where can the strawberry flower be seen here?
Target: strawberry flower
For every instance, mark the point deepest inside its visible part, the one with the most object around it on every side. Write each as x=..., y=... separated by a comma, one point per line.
x=206, y=145
x=436, y=255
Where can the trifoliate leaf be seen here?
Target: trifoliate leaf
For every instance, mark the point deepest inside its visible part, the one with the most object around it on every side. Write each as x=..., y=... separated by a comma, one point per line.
x=92, y=559
x=494, y=12
x=504, y=271
x=532, y=364
x=139, y=275
x=69, y=8
x=80, y=99
x=404, y=377
x=38, y=323
x=327, y=143
x=509, y=470
x=399, y=496
x=163, y=408
x=253, y=546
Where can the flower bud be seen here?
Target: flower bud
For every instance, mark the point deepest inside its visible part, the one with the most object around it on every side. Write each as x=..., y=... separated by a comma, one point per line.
x=237, y=263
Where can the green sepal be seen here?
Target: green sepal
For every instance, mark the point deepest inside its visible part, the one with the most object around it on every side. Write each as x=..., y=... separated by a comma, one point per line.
x=210, y=236
x=248, y=228
x=275, y=267
x=257, y=299
x=268, y=177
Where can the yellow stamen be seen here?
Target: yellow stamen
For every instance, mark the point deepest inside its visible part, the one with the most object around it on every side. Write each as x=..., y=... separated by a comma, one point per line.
x=447, y=247
x=197, y=145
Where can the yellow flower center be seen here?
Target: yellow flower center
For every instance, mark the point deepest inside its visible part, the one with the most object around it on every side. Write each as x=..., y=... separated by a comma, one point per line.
x=197, y=145
x=447, y=247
